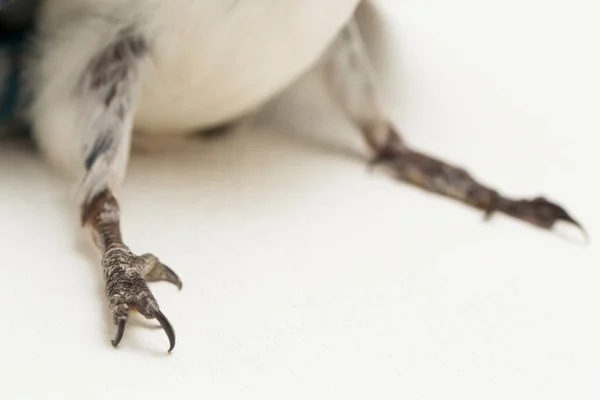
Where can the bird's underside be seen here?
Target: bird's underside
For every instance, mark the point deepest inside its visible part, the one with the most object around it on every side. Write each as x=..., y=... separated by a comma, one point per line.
x=86, y=105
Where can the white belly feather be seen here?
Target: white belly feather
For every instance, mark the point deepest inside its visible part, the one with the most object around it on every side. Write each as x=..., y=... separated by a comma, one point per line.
x=210, y=61
x=213, y=60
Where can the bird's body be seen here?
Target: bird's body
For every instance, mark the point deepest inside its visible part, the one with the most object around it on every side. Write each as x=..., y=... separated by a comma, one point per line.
x=100, y=70
x=208, y=61
x=236, y=58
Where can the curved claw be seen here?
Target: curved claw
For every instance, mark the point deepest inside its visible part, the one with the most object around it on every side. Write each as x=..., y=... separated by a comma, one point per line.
x=439, y=177
x=120, y=330
x=573, y=222
x=538, y=211
x=156, y=271
x=167, y=327
x=172, y=277
x=541, y=212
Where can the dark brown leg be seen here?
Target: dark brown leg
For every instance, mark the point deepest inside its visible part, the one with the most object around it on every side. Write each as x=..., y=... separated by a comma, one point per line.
x=352, y=82
x=125, y=274
x=439, y=177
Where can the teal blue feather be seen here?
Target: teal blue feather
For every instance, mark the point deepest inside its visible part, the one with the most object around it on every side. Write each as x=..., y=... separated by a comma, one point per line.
x=12, y=46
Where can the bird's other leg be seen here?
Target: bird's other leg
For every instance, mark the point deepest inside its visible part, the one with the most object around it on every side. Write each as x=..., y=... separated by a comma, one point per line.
x=104, y=104
x=351, y=81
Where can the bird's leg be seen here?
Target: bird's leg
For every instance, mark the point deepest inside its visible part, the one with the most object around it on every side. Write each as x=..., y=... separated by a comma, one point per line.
x=125, y=274
x=112, y=78
x=103, y=102
x=351, y=79
x=439, y=177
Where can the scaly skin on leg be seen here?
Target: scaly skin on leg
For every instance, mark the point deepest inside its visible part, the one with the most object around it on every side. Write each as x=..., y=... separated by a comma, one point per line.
x=352, y=81
x=93, y=142
x=126, y=274
x=439, y=177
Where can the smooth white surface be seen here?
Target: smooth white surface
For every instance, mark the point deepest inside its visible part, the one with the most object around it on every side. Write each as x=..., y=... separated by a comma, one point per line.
x=307, y=277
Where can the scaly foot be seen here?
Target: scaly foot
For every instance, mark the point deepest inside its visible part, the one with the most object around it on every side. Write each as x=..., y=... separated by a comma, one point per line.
x=126, y=274
x=438, y=177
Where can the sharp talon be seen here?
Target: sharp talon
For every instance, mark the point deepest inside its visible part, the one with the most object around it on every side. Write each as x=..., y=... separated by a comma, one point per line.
x=120, y=330
x=173, y=278
x=156, y=272
x=576, y=224
x=436, y=176
x=554, y=213
x=540, y=212
x=568, y=219
x=166, y=325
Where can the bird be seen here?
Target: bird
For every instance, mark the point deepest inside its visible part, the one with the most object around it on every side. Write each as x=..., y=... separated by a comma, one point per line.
x=96, y=73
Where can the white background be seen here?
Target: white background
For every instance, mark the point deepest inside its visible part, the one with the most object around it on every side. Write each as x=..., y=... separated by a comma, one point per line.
x=307, y=277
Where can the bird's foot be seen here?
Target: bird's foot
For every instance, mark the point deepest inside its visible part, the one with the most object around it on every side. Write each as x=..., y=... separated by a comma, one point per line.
x=439, y=177
x=126, y=276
